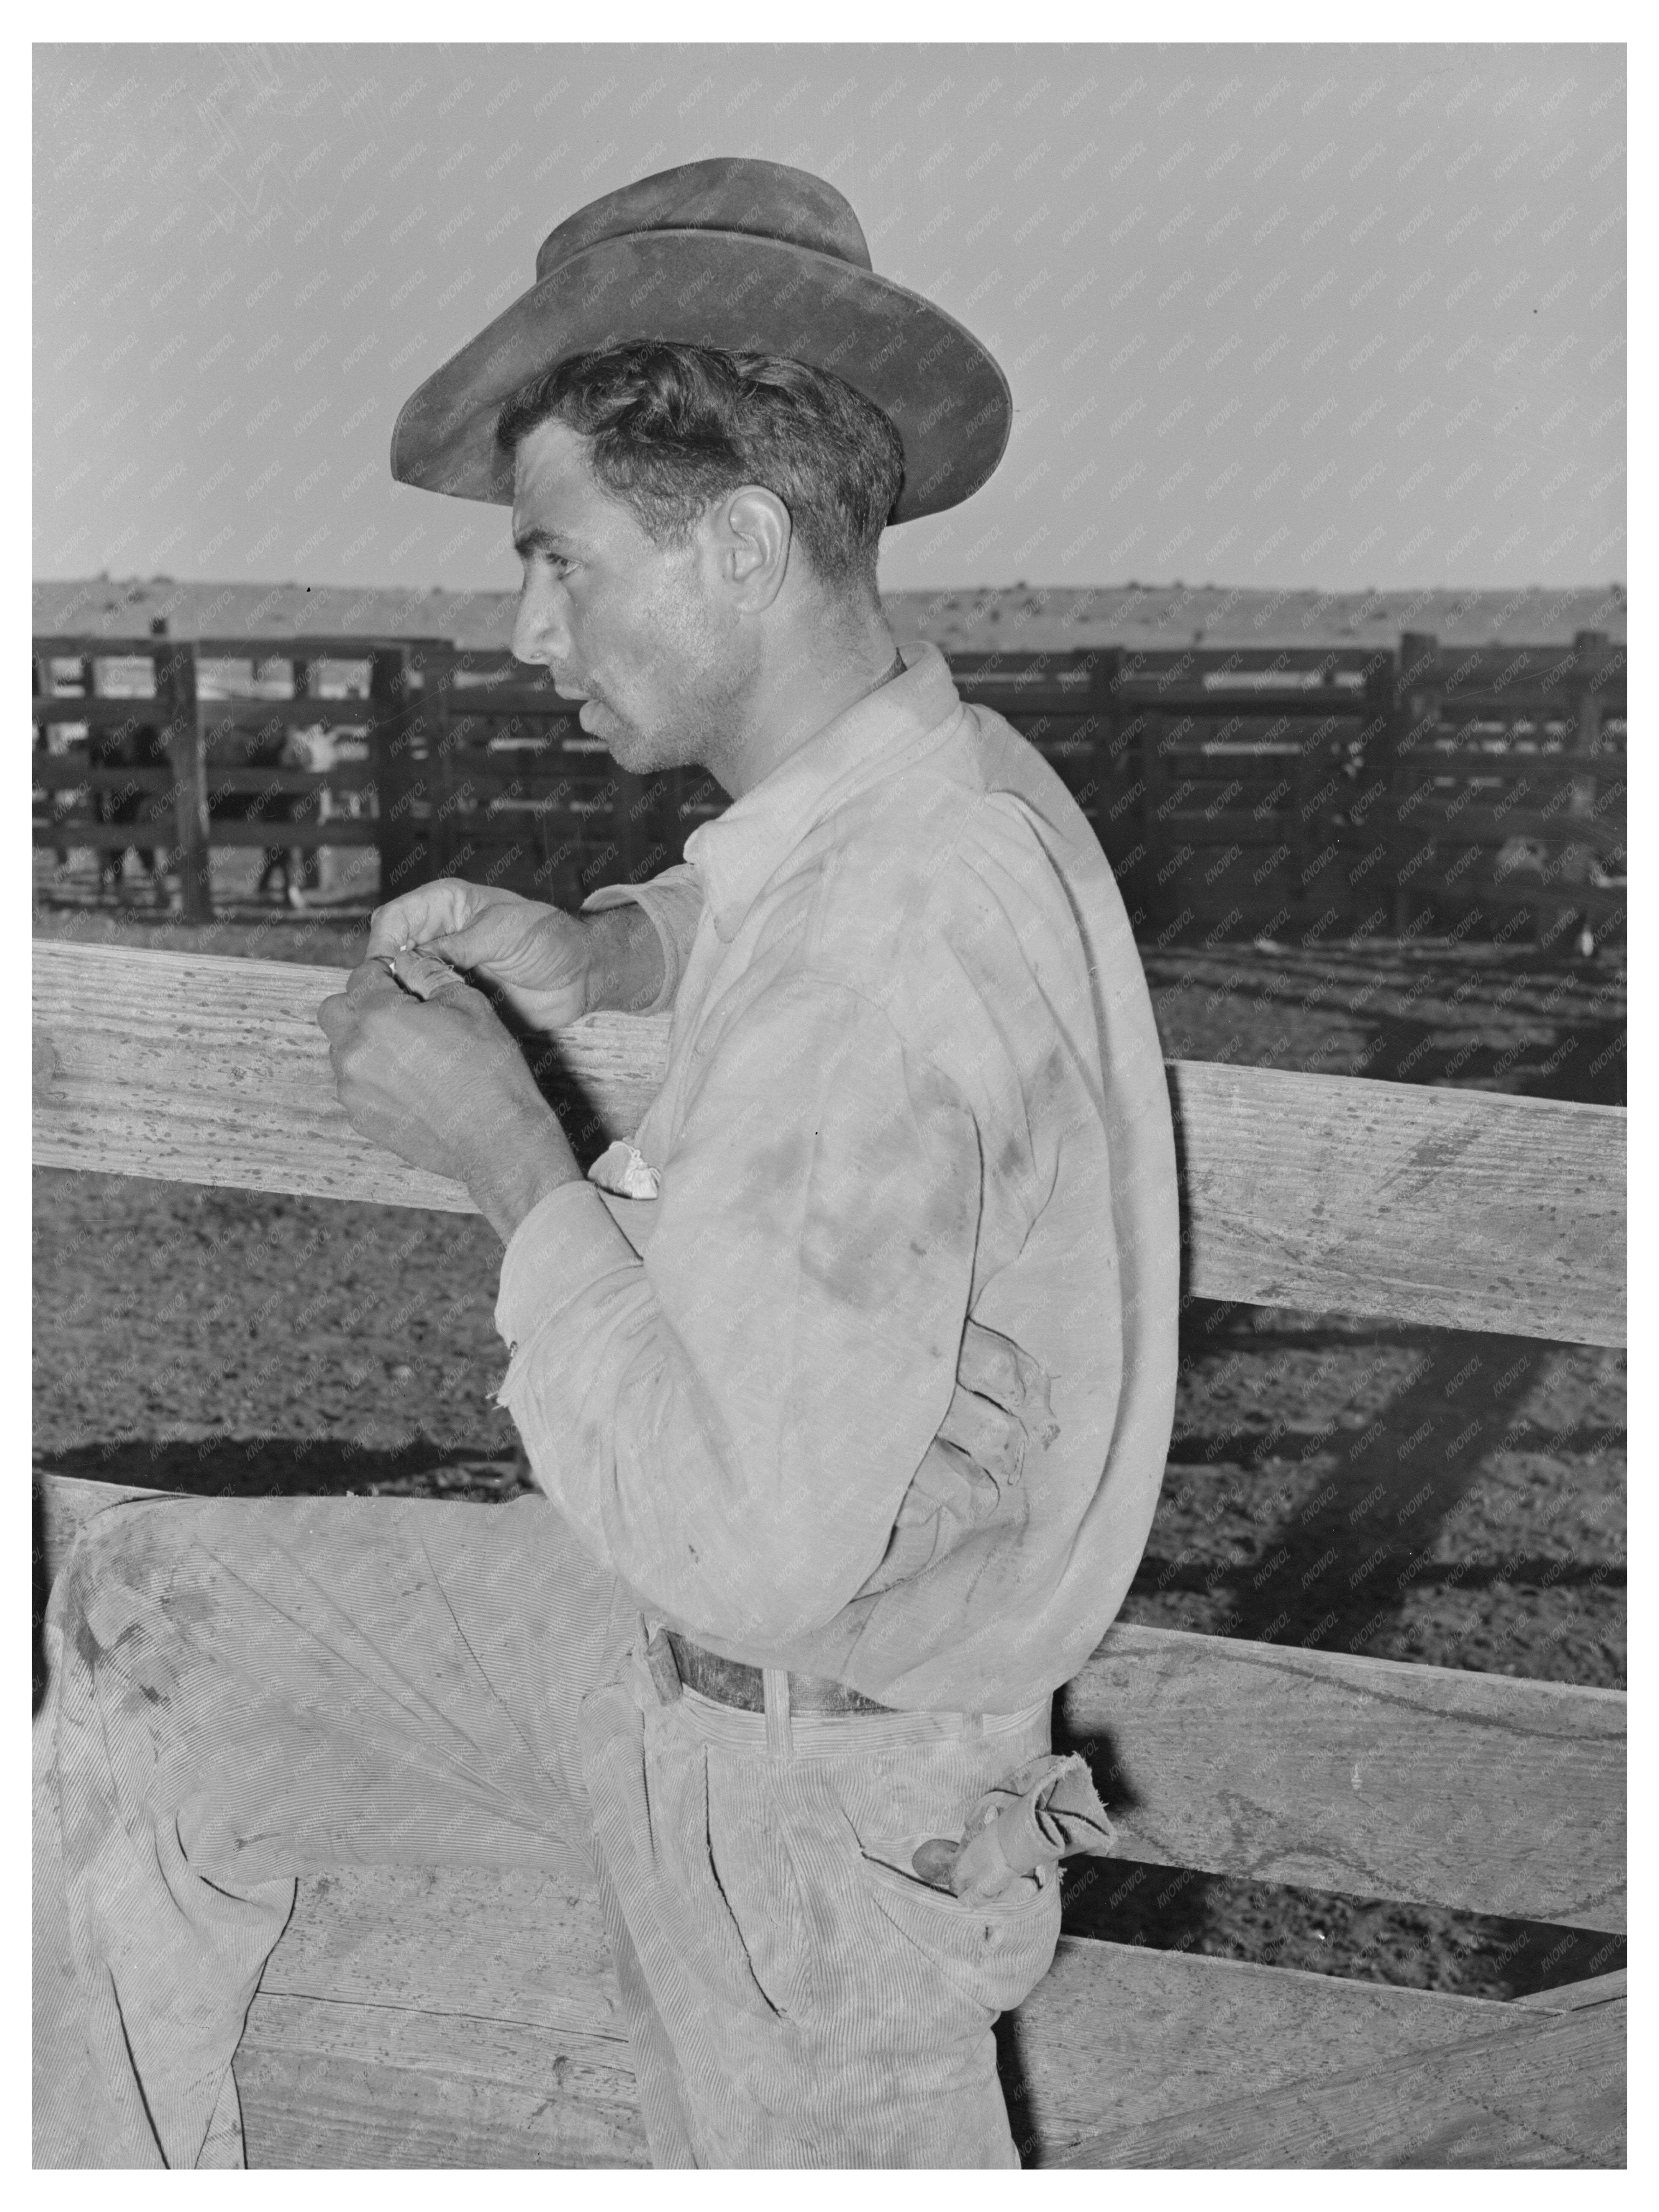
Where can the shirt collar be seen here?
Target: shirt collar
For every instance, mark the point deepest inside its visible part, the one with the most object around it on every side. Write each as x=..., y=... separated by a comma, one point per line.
x=735, y=854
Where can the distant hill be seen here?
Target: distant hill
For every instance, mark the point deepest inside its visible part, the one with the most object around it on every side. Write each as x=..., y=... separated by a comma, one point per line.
x=1030, y=617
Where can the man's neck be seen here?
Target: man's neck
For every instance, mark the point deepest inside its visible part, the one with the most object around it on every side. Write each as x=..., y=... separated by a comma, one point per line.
x=796, y=694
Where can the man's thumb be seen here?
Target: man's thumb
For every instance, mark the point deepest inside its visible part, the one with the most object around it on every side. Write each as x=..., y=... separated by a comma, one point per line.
x=459, y=947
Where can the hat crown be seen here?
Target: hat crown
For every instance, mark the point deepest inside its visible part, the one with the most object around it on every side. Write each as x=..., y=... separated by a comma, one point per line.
x=766, y=199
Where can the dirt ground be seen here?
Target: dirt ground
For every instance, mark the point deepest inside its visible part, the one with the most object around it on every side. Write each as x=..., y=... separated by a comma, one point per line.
x=236, y=1342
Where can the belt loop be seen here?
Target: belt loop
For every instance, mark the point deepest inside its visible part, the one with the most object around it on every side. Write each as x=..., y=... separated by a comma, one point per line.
x=780, y=1734
x=659, y=1662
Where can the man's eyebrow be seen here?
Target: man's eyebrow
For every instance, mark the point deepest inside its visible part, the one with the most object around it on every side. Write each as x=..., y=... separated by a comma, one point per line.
x=539, y=540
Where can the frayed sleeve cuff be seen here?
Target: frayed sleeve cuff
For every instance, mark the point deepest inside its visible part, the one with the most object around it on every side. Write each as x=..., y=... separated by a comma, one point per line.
x=561, y=1248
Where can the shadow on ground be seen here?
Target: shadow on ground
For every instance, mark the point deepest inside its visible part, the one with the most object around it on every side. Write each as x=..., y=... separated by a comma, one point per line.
x=1481, y=1017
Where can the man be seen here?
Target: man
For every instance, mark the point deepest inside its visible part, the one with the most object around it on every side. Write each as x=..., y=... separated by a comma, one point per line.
x=848, y=1380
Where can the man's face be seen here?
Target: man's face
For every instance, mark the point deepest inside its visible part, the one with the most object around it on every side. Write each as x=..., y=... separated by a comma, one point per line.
x=639, y=632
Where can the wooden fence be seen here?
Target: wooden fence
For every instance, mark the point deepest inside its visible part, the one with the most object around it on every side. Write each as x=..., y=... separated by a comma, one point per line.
x=410, y=2017
x=1297, y=793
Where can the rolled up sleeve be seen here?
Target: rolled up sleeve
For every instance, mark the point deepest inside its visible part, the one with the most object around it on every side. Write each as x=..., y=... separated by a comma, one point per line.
x=731, y=1421
x=672, y=902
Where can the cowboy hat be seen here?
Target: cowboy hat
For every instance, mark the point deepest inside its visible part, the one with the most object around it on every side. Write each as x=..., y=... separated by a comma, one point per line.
x=746, y=257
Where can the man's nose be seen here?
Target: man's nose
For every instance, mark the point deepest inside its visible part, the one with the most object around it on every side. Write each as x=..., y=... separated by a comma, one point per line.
x=538, y=634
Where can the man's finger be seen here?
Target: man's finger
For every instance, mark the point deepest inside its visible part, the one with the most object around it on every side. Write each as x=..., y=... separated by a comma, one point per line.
x=417, y=916
x=427, y=976
x=339, y=1013
x=371, y=980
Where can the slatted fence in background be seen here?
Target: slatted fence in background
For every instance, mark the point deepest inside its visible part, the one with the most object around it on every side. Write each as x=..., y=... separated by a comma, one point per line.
x=1291, y=792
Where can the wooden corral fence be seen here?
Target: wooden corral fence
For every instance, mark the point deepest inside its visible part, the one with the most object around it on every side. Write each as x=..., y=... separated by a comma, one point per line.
x=454, y=2020
x=178, y=746
x=1294, y=794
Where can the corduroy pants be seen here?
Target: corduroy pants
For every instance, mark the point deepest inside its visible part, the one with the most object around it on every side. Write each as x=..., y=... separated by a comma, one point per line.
x=243, y=1693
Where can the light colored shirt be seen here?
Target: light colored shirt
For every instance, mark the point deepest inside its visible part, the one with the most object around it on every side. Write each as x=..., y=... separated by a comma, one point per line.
x=913, y=1079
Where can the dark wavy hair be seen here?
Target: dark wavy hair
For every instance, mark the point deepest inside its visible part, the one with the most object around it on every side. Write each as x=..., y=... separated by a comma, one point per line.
x=675, y=426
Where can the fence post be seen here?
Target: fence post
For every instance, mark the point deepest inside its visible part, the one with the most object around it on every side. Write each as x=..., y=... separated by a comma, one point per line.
x=1380, y=677
x=312, y=810
x=1103, y=750
x=390, y=720
x=1155, y=783
x=1586, y=743
x=1417, y=699
x=442, y=844
x=46, y=687
x=186, y=754
x=624, y=826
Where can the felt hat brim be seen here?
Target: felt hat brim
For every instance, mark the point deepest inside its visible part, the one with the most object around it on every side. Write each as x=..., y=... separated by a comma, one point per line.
x=942, y=391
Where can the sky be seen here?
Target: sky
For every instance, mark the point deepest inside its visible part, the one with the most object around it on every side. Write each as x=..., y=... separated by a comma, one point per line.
x=1346, y=317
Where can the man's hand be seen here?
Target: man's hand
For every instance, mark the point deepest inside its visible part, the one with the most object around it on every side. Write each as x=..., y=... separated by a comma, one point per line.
x=537, y=956
x=441, y=1082
x=551, y=968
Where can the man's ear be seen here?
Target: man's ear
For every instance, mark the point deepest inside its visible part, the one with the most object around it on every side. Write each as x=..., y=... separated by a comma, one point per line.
x=754, y=537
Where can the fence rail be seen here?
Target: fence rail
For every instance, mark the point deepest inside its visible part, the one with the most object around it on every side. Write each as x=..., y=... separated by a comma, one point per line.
x=1244, y=792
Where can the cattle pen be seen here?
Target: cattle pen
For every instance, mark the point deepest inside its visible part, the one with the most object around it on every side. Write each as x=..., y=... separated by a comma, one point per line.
x=1292, y=794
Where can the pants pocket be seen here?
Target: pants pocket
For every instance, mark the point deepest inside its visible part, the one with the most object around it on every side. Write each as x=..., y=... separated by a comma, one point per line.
x=992, y=1954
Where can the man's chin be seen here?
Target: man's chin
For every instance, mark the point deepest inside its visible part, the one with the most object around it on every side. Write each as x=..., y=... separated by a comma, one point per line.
x=639, y=752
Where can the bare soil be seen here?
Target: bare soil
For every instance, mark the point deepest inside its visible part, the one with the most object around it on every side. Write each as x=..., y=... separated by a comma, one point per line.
x=253, y=1345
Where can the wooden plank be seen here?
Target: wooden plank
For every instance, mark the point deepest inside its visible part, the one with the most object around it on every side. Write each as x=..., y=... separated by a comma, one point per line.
x=119, y=714
x=540, y=701
x=1362, y=1775
x=549, y=779
x=1460, y=1208
x=303, y=837
x=350, y=648
x=1272, y=750
x=87, y=645
x=1573, y=1996
x=203, y=1070
x=485, y=2002
x=1463, y=1209
x=410, y=2017
x=86, y=834
x=296, y=782
x=306, y=712
x=1284, y=662
x=67, y=774
x=1314, y=703
x=1547, y=2093
x=1366, y=1776
x=1471, y=764
x=317, y=2106
x=414, y=2017
x=1127, y=2037
x=1235, y=825
x=1451, y=820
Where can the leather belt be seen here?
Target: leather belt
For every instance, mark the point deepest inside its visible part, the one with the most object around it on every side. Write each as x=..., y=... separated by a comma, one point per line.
x=731, y=1682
